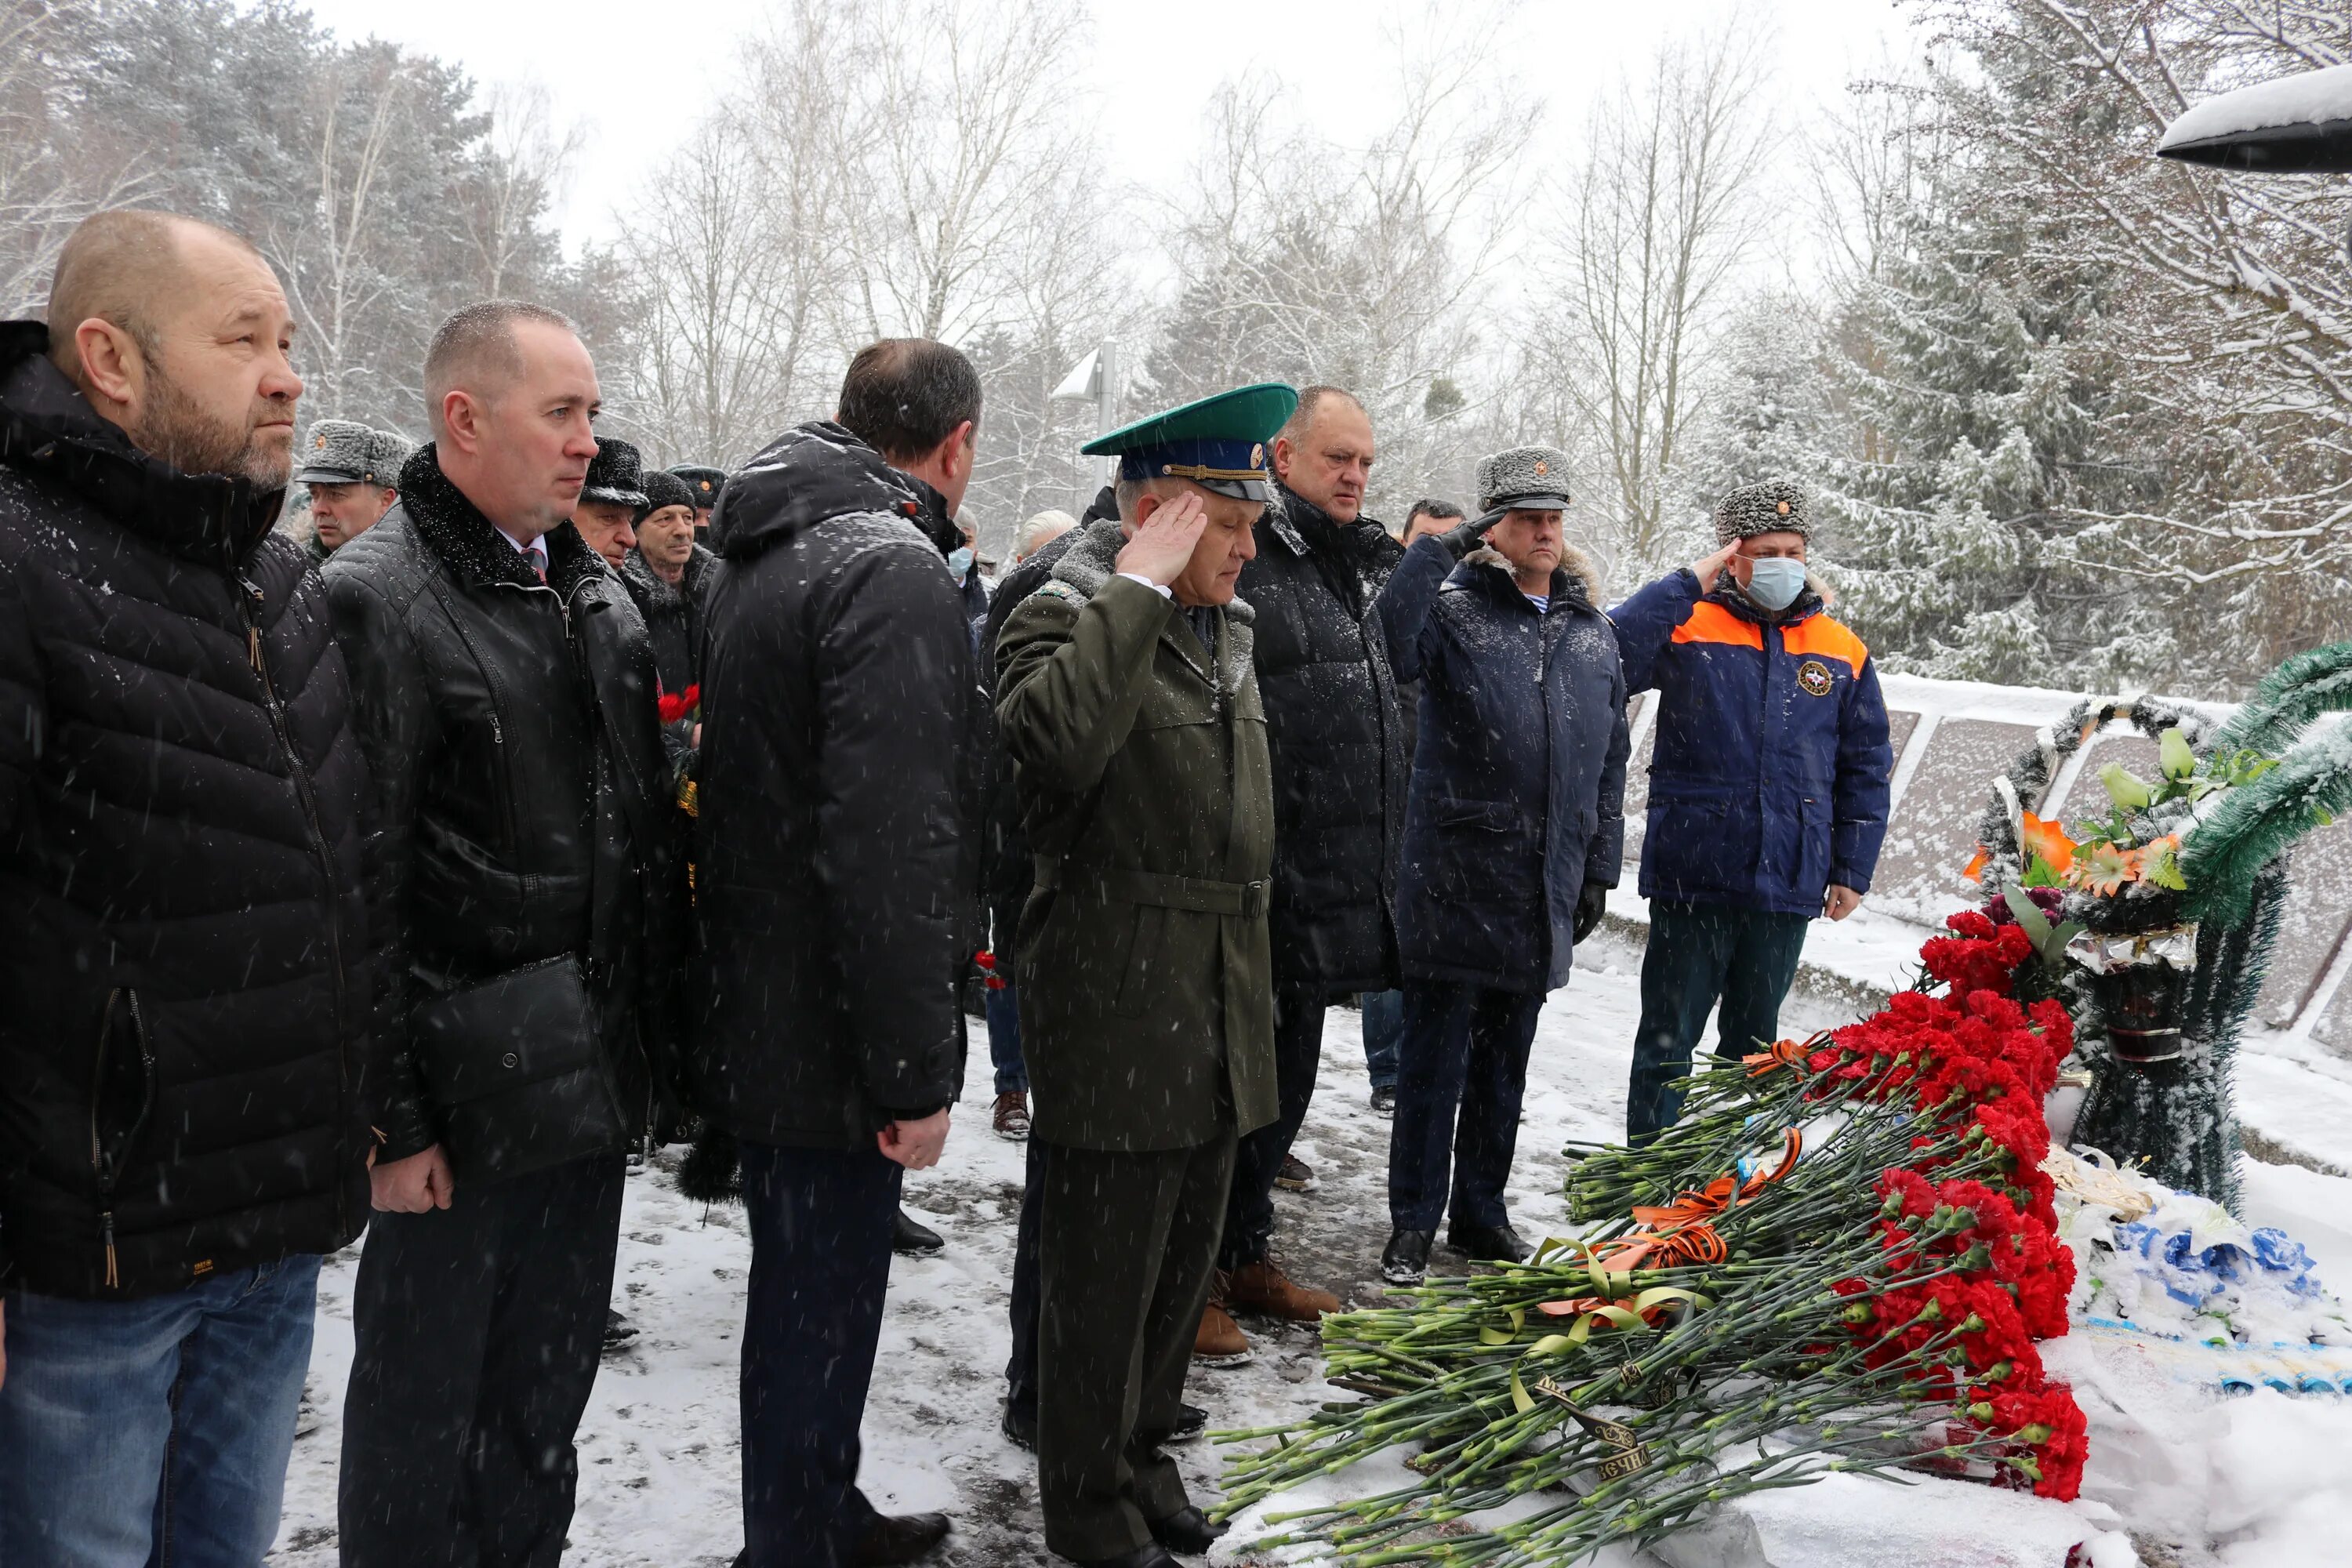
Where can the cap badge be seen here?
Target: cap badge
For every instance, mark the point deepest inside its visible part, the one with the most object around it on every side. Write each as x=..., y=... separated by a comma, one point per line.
x=705, y=484
x=1257, y=454
x=1781, y=507
x=1542, y=467
x=318, y=443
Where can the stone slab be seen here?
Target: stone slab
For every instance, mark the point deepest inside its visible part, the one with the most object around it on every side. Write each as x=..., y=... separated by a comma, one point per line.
x=1902, y=723
x=1932, y=831
x=2318, y=915
x=2086, y=799
x=2333, y=1027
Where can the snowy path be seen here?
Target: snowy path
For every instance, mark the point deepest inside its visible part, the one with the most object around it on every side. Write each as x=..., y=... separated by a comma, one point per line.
x=660, y=1474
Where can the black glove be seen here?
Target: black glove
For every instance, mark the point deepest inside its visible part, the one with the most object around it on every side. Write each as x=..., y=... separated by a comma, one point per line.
x=1466, y=538
x=1590, y=904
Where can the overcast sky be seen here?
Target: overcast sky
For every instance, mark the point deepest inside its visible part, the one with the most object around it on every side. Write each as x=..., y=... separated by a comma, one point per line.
x=635, y=72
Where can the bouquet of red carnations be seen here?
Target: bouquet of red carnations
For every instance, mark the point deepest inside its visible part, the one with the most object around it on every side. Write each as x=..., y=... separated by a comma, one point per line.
x=1839, y=1259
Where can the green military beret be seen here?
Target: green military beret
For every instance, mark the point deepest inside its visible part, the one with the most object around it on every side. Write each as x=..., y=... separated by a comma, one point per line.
x=1219, y=442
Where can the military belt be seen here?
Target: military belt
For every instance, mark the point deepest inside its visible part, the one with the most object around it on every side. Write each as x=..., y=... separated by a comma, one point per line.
x=1124, y=885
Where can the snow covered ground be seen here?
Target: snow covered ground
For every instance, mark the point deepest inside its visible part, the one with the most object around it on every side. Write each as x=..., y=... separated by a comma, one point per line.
x=660, y=1475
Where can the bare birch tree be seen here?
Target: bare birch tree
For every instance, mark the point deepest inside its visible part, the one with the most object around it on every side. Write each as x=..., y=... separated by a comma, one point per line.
x=516, y=176
x=1661, y=209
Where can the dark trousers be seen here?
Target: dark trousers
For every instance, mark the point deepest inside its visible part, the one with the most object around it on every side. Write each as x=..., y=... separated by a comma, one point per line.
x=1021, y=1370
x=1383, y=1028
x=820, y=1268
x=477, y=1330
x=1297, y=1053
x=1697, y=955
x=1464, y=1046
x=1129, y=1241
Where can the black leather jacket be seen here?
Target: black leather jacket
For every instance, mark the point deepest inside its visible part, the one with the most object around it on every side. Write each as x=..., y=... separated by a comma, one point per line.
x=513, y=734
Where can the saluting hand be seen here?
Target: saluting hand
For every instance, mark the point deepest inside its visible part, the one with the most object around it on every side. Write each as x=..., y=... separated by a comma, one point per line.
x=1705, y=569
x=1162, y=546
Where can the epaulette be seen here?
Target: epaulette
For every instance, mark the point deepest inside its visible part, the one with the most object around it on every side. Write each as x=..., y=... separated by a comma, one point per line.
x=1061, y=590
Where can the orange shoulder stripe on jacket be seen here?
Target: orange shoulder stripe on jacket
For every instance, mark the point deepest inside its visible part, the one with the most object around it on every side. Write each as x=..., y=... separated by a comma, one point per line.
x=1824, y=638
x=1710, y=622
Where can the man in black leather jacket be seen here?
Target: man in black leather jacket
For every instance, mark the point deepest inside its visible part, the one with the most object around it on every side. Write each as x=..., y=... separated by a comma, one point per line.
x=524, y=893
x=837, y=896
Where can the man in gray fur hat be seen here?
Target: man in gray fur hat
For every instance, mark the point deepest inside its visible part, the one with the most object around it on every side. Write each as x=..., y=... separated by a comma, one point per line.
x=1512, y=837
x=1768, y=784
x=354, y=475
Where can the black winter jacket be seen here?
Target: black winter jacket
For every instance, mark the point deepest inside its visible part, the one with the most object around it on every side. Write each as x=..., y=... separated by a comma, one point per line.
x=1518, y=783
x=672, y=616
x=830, y=884
x=183, y=973
x=522, y=814
x=1338, y=744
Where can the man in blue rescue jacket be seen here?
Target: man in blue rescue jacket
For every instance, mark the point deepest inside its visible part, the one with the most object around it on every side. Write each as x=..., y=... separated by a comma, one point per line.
x=1768, y=785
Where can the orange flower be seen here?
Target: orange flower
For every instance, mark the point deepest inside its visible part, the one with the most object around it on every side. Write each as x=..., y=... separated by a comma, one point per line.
x=2049, y=840
x=1974, y=870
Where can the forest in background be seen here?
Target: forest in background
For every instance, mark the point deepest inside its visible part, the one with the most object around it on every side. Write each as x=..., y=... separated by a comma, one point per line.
x=2076, y=417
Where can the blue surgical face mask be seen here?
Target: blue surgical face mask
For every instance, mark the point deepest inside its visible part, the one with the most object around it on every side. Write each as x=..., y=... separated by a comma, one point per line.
x=960, y=561
x=1775, y=580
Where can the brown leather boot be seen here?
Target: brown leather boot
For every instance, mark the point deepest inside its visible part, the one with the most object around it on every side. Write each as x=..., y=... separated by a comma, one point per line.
x=1218, y=1341
x=1263, y=1286
x=1011, y=1116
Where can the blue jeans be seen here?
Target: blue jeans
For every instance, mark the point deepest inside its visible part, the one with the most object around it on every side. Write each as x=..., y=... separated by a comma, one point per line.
x=1383, y=1028
x=1005, y=1040
x=1465, y=1048
x=156, y=1431
x=1698, y=953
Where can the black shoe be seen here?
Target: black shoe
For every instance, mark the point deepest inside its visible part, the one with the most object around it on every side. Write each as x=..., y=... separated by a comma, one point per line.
x=1487, y=1243
x=1296, y=1175
x=1385, y=1100
x=1021, y=1426
x=896, y=1538
x=1405, y=1259
x=1191, y=1422
x=911, y=1240
x=1186, y=1530
x=1150, y=1554
x=618, y=1330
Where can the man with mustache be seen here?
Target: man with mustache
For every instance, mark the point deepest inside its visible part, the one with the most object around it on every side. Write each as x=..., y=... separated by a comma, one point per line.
x=523, y=887
x=183, y=940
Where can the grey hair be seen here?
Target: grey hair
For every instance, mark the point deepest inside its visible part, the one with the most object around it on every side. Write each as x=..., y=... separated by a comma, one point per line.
x=1045, y=525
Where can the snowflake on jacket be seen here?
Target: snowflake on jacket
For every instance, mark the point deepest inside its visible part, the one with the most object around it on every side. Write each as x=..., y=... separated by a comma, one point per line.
x=1769, y=781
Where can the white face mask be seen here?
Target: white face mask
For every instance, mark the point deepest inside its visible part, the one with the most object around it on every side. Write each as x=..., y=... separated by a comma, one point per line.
x=1775, y=580
x=960, y=561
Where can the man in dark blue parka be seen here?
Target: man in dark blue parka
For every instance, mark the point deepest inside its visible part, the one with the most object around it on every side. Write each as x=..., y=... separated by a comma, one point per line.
x=1512, y=837
x=1767, y=786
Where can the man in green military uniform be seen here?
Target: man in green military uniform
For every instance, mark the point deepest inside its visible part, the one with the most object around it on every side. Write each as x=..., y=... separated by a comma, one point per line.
x=1127, y=701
